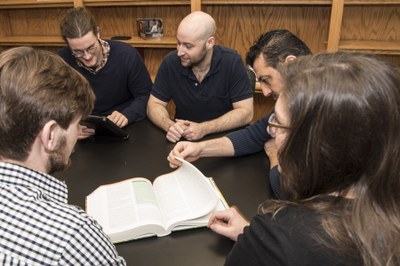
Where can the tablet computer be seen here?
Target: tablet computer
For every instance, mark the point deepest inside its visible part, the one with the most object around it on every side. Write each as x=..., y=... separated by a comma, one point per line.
x=104, y=127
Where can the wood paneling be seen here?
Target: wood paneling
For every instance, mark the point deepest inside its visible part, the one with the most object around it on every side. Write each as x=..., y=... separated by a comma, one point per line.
x=366, y=25
x=122, y=20
x=371, y=23
x=33, y=22
x=238, y=26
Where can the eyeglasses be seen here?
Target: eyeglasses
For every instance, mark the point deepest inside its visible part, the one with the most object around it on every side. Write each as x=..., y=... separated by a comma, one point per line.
x=90, y=50
x=273, y=125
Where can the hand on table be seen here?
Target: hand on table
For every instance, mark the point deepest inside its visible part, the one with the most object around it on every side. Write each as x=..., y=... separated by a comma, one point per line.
x=85, y=132
x=175, y=132
x=229, y=223
x=193, y=131
x=190, y=151
x=118, y=119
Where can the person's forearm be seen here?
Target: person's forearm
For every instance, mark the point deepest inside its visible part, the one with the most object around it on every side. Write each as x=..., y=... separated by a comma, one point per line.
x=159, y=115
x=220, y=147
x=233, y=119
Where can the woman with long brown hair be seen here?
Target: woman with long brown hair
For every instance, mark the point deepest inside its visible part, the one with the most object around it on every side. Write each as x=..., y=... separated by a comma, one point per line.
x=337, y=128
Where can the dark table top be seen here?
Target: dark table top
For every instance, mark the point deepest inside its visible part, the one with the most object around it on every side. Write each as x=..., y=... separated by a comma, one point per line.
x=242, y=181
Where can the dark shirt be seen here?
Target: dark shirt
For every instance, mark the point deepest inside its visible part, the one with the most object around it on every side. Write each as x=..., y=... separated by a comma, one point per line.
x=250, y=139
x=122, y=85
x=287, y=239
x=225, y=83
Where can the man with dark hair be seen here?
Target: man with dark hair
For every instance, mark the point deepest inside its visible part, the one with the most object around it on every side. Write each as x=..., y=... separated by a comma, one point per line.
x=270, y=49
x=115, y=70
x=270, y=44
x=48, y=99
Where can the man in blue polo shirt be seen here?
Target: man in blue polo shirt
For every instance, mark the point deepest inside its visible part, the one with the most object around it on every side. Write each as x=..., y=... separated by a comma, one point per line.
x=208, y=84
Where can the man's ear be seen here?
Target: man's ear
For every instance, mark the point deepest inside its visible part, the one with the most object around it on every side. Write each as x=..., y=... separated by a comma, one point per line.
x=210, y=42
x=290, y=58
x=49, y=135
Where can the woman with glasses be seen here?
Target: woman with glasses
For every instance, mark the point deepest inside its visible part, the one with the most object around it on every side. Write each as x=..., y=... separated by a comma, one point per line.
x=336, y=126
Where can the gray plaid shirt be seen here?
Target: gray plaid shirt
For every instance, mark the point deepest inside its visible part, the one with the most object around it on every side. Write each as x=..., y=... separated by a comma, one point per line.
x=38, y=227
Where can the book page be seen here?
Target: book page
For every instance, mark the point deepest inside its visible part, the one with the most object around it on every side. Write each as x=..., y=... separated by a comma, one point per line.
x=184, y=194
x=126, y=209
x=203, y=220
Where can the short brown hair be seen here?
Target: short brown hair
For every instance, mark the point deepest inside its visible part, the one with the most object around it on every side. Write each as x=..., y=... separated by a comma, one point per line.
x=35, y=87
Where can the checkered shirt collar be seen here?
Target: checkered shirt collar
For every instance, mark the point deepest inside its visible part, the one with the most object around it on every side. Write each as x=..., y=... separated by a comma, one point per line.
x=106, y=52
x=16, y=175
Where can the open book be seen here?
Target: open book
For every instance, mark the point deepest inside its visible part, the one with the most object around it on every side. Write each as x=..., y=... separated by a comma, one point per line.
x=135, y=208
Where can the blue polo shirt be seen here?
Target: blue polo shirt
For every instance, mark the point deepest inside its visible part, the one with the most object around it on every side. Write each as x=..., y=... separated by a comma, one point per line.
x=224, y=84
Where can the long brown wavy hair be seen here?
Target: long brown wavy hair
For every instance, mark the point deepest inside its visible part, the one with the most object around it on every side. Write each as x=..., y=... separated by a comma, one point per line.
x=344, y=138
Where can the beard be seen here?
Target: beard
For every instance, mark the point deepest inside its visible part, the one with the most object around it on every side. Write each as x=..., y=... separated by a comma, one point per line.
x=59, y=159
x=193, y=62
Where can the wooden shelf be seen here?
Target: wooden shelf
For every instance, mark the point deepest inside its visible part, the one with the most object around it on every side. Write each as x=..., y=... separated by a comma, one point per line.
x=12, y=4
x=31, y=40
x=165, y=42
x=297, y=2
x=380, y=47
x=70, y=3
x=35, y=3
x=136, y=3
x=266, y=2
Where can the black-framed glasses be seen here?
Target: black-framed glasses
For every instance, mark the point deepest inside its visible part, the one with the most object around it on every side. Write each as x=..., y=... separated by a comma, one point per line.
x=273, y=125
x=90, y=50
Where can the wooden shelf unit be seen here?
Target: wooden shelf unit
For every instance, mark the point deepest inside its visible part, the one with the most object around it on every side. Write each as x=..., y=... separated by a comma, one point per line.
x=136, y=3
x=18, y=4
x=336, y=40
x=361, y=25
x=378, y=47
x=296, y=2
x=57, y=41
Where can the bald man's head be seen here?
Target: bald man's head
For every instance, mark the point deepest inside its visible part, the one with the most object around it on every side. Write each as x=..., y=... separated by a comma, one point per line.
x=197, y=24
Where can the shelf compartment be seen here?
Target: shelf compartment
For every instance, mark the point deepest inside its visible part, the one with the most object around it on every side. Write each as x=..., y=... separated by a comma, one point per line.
x=164, y=42
x=379, y=47
x=136, y=3
x=12, y=4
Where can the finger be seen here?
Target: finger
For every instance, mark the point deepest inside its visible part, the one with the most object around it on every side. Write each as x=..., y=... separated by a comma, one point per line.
x=177, y=129
x=174, y=133
x=118, y=120
x=221, y=229
x=173, y=164
x=88, y=130
x=221, y=216
x=112, y=116
x=121, y=122
x=171, y=137
x=172, y=160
